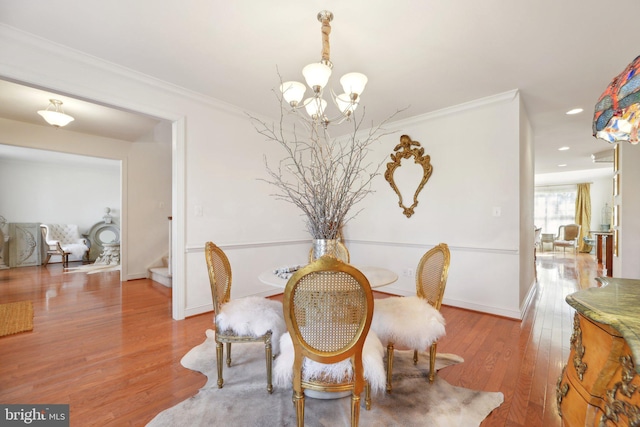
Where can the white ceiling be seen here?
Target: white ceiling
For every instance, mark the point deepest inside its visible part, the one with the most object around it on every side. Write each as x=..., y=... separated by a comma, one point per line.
x=427, y=55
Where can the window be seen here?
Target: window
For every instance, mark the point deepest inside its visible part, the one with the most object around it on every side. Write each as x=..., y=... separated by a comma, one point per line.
x=554, y=206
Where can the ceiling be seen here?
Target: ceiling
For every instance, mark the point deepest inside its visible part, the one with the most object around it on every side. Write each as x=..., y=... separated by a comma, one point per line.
x=424, y=55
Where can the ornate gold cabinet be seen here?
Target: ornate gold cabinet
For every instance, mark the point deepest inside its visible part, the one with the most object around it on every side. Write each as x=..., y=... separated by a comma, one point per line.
x=600, y=384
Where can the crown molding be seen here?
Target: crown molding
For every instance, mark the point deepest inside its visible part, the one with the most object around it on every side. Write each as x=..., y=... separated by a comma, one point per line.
x=21, y=41
x=471, y=105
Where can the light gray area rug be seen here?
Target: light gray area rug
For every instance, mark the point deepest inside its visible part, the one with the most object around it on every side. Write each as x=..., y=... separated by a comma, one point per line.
x=244, y=401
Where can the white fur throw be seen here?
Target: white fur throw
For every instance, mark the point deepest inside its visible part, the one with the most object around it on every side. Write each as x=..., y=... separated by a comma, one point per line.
x=372, y=354
x=75, y=249
x=253, y=316
x=408, y=322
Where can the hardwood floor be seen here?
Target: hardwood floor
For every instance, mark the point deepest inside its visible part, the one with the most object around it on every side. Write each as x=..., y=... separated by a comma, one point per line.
x=112, y=352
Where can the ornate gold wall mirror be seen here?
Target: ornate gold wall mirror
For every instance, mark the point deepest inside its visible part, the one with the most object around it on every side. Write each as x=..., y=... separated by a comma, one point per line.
x=408, y=149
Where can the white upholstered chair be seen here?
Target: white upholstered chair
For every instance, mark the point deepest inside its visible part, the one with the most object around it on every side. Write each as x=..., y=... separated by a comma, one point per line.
x=63, y=240
x=414, y=322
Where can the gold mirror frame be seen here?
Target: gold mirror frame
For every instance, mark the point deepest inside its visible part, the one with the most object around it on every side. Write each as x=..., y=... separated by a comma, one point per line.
x=417, y=152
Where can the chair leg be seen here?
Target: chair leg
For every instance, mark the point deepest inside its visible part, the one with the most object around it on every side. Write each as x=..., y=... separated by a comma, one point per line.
x=367, y=395
x=219, y=355
x=268, y=353
x=229, y=354
x=389, y=366
x=46, y=260
x=432, y=362
x=298, y=400
x=415, y=357
x=355, y=409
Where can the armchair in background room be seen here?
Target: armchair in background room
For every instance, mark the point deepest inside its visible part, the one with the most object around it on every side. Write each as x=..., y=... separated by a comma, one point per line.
x=63, y=240
x=567, y=237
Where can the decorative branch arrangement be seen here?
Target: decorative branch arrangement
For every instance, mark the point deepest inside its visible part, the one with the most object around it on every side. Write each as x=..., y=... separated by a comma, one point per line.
x=323, y=176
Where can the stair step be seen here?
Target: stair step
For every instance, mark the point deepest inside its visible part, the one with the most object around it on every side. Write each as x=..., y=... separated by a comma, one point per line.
x=160, y=275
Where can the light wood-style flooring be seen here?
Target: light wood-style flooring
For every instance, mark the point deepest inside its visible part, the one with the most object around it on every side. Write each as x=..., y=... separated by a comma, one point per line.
x=112, y=351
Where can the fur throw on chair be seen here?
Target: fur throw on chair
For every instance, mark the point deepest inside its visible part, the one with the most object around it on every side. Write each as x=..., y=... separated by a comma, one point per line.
x=372, y=362
x=409, y=322
x=253, y=316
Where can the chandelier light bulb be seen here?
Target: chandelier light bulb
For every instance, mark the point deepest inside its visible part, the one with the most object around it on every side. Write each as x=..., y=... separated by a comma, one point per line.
x=316, y=75
x=353, y=83
x=315, y=107
x=345, y=104
x=293, y=92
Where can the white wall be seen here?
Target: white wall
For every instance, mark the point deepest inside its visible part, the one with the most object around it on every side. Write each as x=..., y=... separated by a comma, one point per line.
x=48, y=192
x=218, y=157
x=471, y=176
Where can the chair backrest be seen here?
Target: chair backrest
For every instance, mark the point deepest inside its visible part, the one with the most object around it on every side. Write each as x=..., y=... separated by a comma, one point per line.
x=219, y=275
x=328, y=307
x=432, y=273
x=570, y=232
x=63, y=233
x=342, y=253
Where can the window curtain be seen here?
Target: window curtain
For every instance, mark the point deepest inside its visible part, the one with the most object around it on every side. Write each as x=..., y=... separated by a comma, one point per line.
x=583, y=215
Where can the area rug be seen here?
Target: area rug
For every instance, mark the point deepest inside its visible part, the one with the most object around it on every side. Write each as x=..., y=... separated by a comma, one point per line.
x=16, y=317
x=244, y=401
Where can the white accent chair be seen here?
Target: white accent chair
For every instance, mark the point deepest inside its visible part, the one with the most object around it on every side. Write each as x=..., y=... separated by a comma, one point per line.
x=63, y=240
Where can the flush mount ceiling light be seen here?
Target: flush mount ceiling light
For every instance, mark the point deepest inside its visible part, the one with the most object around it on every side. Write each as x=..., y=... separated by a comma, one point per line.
x=565, y=148
x=317, y=76
x=574, y=111
x=54, y=114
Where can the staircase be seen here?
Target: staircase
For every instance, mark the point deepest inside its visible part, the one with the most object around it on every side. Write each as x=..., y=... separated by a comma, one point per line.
x=161, y=274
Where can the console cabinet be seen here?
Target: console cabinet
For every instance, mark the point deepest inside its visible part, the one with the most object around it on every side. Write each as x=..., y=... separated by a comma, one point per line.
x=600, y=384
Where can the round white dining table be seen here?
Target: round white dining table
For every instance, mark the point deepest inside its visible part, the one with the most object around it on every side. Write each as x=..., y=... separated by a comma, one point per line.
x=377, y=276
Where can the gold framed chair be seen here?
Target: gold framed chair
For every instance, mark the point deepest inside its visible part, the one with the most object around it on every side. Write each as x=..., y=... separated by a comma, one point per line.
x=342, y=253
x=243, y=320
x=328, y=307
x=415, y=322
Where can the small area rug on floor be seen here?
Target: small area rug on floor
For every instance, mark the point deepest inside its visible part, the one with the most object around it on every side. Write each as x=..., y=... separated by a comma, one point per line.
x=244, y=401
x=16, y=317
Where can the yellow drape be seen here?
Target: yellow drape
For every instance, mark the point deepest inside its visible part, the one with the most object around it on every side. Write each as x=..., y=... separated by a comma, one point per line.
x=583, y=215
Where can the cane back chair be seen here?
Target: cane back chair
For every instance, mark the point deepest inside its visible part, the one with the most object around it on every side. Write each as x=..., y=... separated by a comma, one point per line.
x=415, y=323
x=328, y=306
x=243, y=320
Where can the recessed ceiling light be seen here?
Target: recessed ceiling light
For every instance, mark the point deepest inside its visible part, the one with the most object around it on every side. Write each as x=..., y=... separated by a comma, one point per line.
x=563, y=148
x=575, y=111
x=562, y=165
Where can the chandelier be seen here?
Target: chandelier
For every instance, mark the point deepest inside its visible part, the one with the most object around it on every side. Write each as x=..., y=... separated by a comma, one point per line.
x=317, y=76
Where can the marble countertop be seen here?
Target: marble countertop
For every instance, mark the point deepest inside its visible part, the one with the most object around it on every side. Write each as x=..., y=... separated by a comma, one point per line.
x=618, y=305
